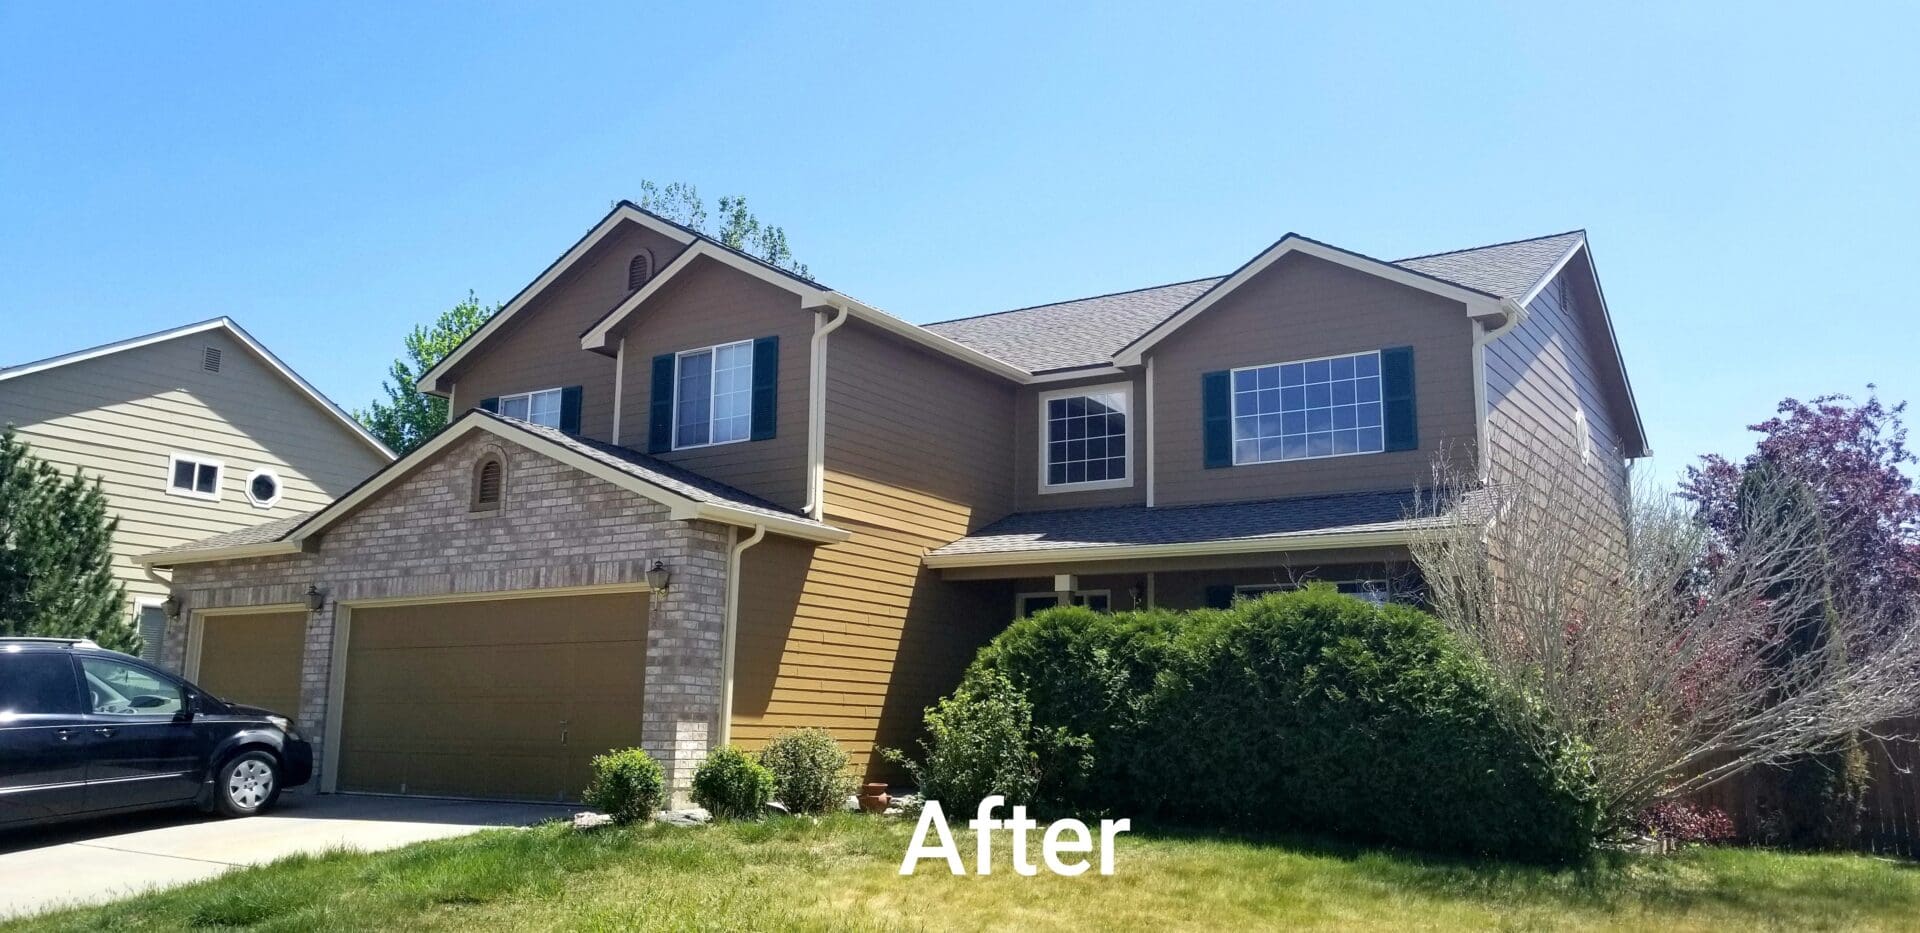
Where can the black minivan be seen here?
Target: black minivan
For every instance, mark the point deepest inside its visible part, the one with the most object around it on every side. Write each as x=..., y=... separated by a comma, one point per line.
x=86, y=731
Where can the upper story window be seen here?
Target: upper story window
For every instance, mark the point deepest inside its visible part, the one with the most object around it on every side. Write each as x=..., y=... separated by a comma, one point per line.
x=1084, y=438
x=263, y=488
x=713, y=395
x=639, y=270
x=1312, y=408
x=542, y=407
x=194, y=476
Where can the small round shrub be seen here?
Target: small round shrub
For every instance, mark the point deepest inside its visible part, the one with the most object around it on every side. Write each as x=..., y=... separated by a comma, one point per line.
x=981, y=741
x=809, y=770
x=731, y=785
x=627, y=785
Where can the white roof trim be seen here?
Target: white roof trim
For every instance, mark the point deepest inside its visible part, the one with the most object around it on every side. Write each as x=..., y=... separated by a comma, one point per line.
x=1100, y=552
x=1579, y=244
x=621, y=213
x=233, y=330
x=1478, y=303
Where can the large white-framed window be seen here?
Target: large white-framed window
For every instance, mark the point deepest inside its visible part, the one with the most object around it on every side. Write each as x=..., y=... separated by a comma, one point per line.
x=1027, y=604
x=1086, y=438
x=194, y=476
x=713, y=395
x=1308, y=409
x=539, y=407
x=1377, y=592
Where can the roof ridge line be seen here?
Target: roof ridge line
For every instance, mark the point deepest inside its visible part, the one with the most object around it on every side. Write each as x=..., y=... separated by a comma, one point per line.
x=1528, y=239
x=1054, y=304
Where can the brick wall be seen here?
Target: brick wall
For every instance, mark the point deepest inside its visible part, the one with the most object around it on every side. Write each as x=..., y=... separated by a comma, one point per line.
x=557, y=527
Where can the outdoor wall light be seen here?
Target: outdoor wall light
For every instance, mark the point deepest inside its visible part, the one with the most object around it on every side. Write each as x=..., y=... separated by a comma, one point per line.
x=316, y=600
x=171, y=606
x=657, y=577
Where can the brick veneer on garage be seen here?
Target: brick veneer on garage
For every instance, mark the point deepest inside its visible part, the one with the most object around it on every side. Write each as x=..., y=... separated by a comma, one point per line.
x=557, y=527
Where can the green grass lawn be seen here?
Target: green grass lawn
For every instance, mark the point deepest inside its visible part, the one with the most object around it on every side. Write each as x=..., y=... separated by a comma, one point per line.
x=841, y=874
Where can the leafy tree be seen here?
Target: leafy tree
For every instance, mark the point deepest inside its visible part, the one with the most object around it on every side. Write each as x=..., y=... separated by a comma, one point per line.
x=739, y=228
x=56, y=554
x=410, y=416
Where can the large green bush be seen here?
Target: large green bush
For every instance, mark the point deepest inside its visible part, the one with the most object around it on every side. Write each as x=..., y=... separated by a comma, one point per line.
x=981, y=741
x=731, y=785
x=627, y=785
x=809, y=770
x=1298, y=711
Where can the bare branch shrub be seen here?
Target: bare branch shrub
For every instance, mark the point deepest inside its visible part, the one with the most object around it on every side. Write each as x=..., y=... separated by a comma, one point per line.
x=1681, y=659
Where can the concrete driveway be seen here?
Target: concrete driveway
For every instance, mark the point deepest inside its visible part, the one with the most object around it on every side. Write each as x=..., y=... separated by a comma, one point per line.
x=101, y=860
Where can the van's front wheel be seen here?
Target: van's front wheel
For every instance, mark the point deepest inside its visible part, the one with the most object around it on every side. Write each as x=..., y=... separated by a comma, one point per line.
x=248, y=783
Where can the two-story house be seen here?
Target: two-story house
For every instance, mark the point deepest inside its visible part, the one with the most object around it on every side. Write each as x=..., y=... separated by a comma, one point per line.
x=694, y=499
x=191, y=431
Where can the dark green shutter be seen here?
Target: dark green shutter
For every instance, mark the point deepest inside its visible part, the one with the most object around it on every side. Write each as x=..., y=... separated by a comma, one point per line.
x=660, y=406
x=766, y=383
x=1220, y=597
x=570, y=409
x=490, y=404
x=1398, y=411
x=1216, y=413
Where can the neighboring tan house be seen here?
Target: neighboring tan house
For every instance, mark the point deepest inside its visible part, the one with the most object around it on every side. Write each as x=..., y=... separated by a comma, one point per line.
x=694, y=499
x=192, y=431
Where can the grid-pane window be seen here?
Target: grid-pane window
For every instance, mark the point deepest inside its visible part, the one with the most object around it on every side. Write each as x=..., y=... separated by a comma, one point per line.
x=713, y=395
x=538, y=407
x=1087, y=438
x=1315, y=408
x=198, y=478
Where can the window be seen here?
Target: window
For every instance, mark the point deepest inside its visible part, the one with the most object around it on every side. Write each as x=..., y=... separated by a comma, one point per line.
x=1029, y=603
x=1374, y=591
x=190, y=475
x=542, y=407
x=489, y=476
x=36, y=683
x=263, y=488
x=713, y=395
x=1083, y=438
x=150, y=619
x=639, y=270
x=1582, y=437
x=1313, y=408
x=116, y=688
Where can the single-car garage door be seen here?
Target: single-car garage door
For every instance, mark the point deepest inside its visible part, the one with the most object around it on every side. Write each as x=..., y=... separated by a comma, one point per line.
x=503, y=698
x=254, y=658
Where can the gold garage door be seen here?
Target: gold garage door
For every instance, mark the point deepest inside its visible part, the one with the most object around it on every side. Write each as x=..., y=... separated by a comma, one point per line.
x=500, y=698
x=254, y=658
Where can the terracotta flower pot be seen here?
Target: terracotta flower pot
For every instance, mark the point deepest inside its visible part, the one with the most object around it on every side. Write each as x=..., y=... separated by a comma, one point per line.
x=874, y=799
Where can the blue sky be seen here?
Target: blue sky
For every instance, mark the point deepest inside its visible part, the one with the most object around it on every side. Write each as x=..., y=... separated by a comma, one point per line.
x=331, y=176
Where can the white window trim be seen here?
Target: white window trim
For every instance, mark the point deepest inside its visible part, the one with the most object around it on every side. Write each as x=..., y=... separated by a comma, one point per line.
x=279, y=488
x=502, y=403
x=715, y=350
x=219, y=476
x=1233, y=410
x=1126, y=390
x=1020, y=601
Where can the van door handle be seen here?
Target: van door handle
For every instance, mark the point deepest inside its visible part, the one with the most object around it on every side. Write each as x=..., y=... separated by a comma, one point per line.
x=63, y=734
x=105, y=732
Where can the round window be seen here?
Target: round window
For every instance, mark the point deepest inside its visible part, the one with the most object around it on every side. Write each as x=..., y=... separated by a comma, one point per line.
x=263, y=488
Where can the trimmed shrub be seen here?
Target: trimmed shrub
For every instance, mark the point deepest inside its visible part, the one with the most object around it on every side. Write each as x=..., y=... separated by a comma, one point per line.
x=627, y=785
x=981, y=741
x=809, y=770
x=1306, y=710
x=731, y=785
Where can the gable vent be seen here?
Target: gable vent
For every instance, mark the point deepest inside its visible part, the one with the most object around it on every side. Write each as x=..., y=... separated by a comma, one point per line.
x=210, y=360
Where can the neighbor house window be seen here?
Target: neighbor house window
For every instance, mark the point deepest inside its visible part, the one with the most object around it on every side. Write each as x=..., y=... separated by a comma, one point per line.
x=1313, y=408
x=713, y=395
x=190, y=475
x=1030, y=603
x=1084, y=438
x=1376, y=592
x=263, y=488
x=542, y=407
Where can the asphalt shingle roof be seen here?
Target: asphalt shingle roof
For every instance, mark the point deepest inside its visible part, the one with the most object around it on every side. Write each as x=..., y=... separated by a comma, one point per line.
x=264, y=533
x=1131, y=525
x=1089, y=331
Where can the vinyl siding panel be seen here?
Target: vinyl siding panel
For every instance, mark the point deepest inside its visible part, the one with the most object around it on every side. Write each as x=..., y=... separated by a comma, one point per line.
x=540, y=348
x=1302, y=308
x=120, y=416
x=708, y=304
x=859, y=637
x=1028, y=440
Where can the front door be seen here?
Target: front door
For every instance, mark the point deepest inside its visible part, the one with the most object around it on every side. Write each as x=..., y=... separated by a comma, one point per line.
x=142, y=747
x=42, y=745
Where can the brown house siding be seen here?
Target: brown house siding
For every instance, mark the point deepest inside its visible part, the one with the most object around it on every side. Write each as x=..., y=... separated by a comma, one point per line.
x=859, y=637
x=1302, y=308
x=1026, y=463
x=709, y=304
x=540, y=348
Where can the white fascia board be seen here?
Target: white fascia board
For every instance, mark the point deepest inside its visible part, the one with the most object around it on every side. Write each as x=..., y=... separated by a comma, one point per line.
x=1478, y=304
x=928, y=339
x=1274, y=544
x=206, y=555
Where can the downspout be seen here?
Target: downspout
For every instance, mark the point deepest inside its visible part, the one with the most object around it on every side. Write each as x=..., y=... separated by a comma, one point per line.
x=732, y=630
x=1516, y=315
x=817, y=411
x=619, y=374
x=1149, y=419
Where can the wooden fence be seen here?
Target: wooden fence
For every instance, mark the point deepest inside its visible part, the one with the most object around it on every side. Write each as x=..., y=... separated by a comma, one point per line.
x=1892, y=823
